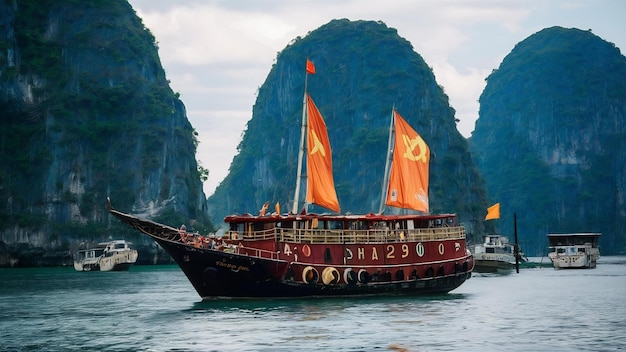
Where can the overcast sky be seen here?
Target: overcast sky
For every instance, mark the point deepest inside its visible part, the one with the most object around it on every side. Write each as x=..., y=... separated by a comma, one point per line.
x=217, y=53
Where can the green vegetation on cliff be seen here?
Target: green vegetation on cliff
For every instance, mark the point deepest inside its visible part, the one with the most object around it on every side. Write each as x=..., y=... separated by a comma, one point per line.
x=87, y=113
x=550, y=138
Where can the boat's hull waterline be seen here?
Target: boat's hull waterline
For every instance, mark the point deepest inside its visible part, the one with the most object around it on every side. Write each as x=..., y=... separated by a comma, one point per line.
x=220, y=274
x=485, y=264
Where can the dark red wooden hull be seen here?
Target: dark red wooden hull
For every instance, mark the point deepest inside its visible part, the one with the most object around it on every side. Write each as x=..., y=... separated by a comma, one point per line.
x=278, y=268
x=215, y=273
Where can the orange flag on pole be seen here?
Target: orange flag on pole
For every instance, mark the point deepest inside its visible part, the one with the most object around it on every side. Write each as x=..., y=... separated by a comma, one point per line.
x=408, y=181
x=310, y=68
x=493, y=212
x=277, y=208
x=264, y=209
x=320, y=183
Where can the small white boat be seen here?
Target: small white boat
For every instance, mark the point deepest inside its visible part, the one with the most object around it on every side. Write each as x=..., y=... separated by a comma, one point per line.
x=107, y=256
x=495, y=254
x=574, y=250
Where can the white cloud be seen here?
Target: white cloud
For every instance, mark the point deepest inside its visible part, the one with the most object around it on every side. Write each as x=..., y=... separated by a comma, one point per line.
x=461, y=88
x=207, y=34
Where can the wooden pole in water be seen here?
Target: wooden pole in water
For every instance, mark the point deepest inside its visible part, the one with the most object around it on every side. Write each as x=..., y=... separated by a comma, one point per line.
x=515, y=246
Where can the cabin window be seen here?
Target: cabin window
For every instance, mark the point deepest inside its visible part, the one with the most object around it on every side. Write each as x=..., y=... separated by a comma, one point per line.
x=399, y=225
x=357, y=225
x=258, y=226
x=380, y=225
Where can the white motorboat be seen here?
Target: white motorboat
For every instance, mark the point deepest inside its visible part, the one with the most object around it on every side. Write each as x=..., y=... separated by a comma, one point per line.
x=495, y=254
x=574, y=250
x=107, y=256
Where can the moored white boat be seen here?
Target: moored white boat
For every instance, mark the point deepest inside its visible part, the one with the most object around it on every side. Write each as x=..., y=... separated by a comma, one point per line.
x=574, y=250
x=107, y=256
x=495, y=254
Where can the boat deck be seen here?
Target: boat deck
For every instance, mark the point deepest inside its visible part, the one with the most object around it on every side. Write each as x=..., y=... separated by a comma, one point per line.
x=350, y=236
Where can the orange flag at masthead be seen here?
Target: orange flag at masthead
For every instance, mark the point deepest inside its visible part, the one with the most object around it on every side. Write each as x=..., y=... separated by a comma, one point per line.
x=310, y=68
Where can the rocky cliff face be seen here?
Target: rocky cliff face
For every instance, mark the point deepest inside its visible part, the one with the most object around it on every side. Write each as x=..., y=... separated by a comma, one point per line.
x=363, y=69
x=549, y=140
x=87, y=113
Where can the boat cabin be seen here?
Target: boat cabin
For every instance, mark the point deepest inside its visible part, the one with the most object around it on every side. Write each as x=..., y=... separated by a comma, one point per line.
x=495, y=244
x=313, y=228
x=573, y=239
x=93, y=253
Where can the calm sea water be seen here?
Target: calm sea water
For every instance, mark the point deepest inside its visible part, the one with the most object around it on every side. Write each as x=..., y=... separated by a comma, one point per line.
x=154, y=308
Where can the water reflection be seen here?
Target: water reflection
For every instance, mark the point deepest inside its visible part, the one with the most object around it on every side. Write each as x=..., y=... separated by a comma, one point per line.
x=156, y=309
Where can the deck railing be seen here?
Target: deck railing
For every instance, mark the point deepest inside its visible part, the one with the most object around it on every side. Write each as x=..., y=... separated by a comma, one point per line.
x=254, y=252
x=352, y=236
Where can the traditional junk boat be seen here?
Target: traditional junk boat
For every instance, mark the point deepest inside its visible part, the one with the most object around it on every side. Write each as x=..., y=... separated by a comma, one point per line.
x=574, y=250
x=495, y=255
x=107, y=256
x=305, y=254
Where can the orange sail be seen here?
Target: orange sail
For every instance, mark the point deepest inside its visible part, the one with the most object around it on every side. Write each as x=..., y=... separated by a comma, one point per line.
x=408, y=181
x=320, y=183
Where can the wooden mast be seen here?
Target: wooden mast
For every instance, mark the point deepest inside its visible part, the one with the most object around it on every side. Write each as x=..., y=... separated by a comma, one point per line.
x=300, y=177
x=387, y=163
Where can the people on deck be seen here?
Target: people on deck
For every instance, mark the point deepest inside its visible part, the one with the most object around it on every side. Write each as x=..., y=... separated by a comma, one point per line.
x=183, y=233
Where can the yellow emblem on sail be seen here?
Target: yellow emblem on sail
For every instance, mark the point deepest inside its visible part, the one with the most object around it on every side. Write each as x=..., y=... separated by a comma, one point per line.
x=410, y=145
x=317, y=145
